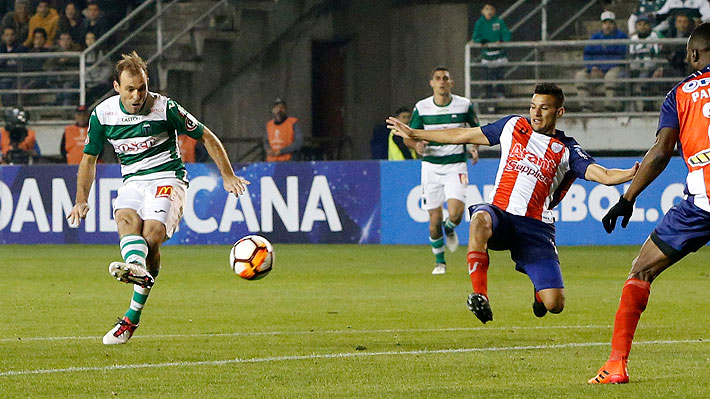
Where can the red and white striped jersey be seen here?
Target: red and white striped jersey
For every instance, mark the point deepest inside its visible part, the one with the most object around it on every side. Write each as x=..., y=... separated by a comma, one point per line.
x=535, y=169
x=687, y=109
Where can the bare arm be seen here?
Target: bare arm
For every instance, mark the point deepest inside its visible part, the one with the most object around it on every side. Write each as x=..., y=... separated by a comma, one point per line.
x=654, y=162
x=84, y=179
x=461, y=135
x=610, y=177
x=232, y=183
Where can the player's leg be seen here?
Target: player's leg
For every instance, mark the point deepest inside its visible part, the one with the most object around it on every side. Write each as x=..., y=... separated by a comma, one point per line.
x=650, y=262
x=455, y=185
x=432, y=202
x=436, y=240
x=546, y=277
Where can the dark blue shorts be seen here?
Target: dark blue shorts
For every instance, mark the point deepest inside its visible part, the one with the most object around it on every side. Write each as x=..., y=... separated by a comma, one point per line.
x=684, y=229
x=531, y=244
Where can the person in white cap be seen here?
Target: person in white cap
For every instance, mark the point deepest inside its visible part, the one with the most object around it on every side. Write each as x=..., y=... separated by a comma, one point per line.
x=598, y=65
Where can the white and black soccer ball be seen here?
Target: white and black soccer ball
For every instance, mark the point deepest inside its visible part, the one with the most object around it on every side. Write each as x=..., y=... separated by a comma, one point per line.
x=252, y=257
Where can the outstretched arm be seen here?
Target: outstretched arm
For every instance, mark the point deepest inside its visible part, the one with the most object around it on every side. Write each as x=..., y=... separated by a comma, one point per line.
x=84, y=180
x=610, y=177
x=461, y=135
x=232, y=183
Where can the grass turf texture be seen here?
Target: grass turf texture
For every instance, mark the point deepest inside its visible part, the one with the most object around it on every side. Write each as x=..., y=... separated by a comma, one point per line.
x=339, y=321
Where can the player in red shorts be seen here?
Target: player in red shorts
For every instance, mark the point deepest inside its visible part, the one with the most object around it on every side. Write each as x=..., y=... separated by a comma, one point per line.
x=538, y=164
x=686, y=226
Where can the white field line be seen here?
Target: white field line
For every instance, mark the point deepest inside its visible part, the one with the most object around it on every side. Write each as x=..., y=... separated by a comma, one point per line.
x=333, y=356
x=316, y=332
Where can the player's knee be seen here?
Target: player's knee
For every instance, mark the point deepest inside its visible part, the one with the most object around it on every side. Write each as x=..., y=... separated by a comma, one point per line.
x=556, y=305
x=481, y=224
x=640, y=271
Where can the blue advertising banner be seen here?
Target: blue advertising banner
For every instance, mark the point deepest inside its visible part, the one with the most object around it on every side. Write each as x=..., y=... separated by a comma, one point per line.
x=360, y=202
x=324, y=202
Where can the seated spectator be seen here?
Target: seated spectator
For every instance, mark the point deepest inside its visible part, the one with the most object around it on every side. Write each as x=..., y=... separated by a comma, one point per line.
x=19, y=19
x=70, y=22
x=647, y=55
x=489, y=31
x=39, y=45
x=18, y=144
x=677, y=64
x=698, y=10
x=10, y=45
x=45, y=18
x=95, y=21
x=65, y=44
x=647, y=8
x=397, y=150
x=98, y=77
x=609, y=71
x=283, y=134
x=72, y=145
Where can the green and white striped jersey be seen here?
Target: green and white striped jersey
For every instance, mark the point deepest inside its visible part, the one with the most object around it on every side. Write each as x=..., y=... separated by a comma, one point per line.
x=146, y=144
x=430, y=116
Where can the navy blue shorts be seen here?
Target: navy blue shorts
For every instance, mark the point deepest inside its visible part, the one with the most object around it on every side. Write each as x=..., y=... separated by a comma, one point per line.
x=531, y=244
x=684, y=229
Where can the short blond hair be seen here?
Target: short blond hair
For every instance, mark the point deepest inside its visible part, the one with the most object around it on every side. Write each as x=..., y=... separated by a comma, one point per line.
x=133, y=63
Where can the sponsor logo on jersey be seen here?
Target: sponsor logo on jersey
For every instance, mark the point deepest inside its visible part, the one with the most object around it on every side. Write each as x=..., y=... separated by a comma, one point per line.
x=164, y=192
x=190, y=123
x=525, y=162
x=135, y=146
x=556, y=147
x=700, y=159
x=692, y=85
x=129, y=119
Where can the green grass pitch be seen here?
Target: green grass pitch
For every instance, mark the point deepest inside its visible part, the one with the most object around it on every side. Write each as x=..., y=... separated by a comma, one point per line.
x=340, y=321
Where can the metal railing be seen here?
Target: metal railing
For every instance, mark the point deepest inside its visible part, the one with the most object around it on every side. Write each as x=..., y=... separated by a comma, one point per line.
x=632, y=92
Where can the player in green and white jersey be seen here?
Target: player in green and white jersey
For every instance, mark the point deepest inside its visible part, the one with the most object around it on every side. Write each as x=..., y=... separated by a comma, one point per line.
x=444, y=170
x=143, y=127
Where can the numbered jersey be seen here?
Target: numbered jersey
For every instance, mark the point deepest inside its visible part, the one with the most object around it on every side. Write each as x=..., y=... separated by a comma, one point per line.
x=687, y=109
x=535, y=170
x=146, y=144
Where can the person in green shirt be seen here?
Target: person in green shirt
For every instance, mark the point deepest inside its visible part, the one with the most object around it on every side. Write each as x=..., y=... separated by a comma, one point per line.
x=489, y=31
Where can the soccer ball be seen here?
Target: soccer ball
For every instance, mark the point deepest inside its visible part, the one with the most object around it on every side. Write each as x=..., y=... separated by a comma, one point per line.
x=251, y=257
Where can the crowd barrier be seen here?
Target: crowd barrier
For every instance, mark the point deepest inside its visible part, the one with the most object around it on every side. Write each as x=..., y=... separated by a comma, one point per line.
x=358, y=202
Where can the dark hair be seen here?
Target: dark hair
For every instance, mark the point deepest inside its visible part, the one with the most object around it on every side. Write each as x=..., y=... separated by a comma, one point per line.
x=700, y=38
x=132, y=63
x=402, y=109
x=439, y=68
x=40, y=30
x=552, y=90
x=489, y=3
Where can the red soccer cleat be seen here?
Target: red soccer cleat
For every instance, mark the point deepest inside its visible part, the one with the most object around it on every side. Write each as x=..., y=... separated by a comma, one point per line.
x=613, y=372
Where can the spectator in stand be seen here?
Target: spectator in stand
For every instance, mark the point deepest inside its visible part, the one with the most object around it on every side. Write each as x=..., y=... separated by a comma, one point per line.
x=95, y=21
x=647, y=55
x=610, y=72
x=65, y=44
x=191, y=150
x=677, y=63
x=98, y=78
x=70, y=22
x=490, y=30
x=647, y=8
x=72, y=145
x=45, y=18
x=19, y=19
x=9, y=45
x=39, y=45
x=697, y=10
x=283, y=134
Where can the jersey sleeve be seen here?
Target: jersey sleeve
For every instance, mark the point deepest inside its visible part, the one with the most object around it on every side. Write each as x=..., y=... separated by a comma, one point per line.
x=669, y=112
x=579, y=160
x=471, y=117
x=183, y=121
x=493, y=130
x=416, y=122
x=95, y=136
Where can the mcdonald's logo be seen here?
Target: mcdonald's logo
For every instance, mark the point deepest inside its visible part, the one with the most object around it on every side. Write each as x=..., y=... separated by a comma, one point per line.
x=164, y=192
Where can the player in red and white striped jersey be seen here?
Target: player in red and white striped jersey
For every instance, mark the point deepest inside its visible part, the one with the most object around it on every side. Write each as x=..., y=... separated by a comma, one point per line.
x=538, y=164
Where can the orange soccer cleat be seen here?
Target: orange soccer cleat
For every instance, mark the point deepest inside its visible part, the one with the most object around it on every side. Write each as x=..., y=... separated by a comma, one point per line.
x=613, y=372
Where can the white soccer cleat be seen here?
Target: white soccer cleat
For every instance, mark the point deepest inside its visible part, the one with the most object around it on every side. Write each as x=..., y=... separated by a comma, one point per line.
x=121, y=333
x=131, y=273
x=452, y=241
x=440, y=268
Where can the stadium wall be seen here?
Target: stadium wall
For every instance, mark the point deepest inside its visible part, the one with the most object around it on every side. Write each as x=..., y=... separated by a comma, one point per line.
x=359, y=202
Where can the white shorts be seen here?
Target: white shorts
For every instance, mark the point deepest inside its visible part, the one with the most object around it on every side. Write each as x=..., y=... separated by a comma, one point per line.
x=443, y=182
x=160, y=200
